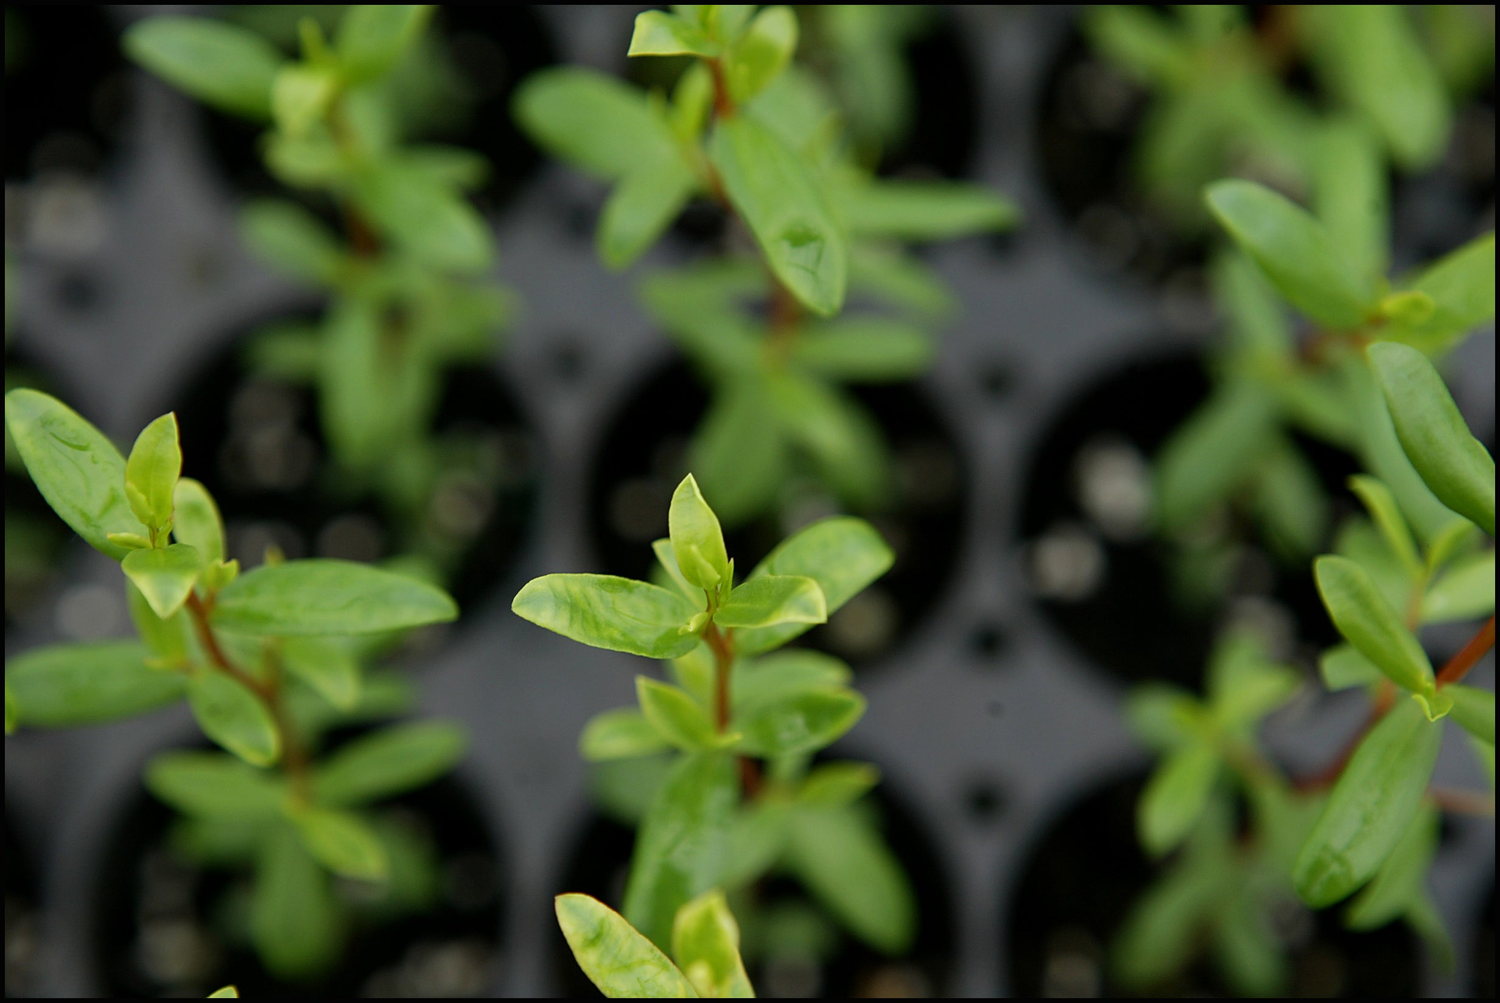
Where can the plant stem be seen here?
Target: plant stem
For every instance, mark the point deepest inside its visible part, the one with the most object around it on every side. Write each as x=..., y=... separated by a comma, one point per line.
x=723, y=103
x=1385, y=699
x=723, y=651
x=1463, y=802
x=1459, y=665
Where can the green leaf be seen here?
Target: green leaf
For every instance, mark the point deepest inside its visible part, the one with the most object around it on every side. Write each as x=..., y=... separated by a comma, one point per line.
x=922, y=210
x=676, y=716
x=783, y=674
x=213, y=785
x=1369, y=622
x=1159, y=935
x=1244, y=685
x=697, y=540
x=773, y=599
x=836, y=784
x=225, y=992
x=864, y=349
x=593, y=121
x=328, y=665
x=680, y=848
x=1371, y=806
x=1213, y=453
x=196, y=521
x=706, y=945
x=1343, y=666
x=614, y=955
x=77, y=470
x=216, y=62
x=737, y=455
x=1175, y=797
x=168, y=639
x=1382, y=507
x=841, y=438
x=898, y=280
x=1349, y=181
x=1289, y=502
x=388, y=762
x=1141, y=43
x=759, y=55
x=640, y=209
x=620, y=734
x=295, y=922
x=234, y=717
x=1454, y=465
x=320, y=597
x=301, y=96
x=757, y=838
x=1461, y=286
x=151, y=472
x=799, y=723
x=848, y=867
x=1294, y=250
x=1163, y=717
x=1256, y=316
x=425, y=218
x=164, y=577
x=786, y=210
x=342, y=842
x=292, y=240
x=372, y=37
x=605, y=611
x=1401, y=879
x=1248, y=947
x=658, y=33
x=72, y=684
x=1465, y=591
x=1474, y=710
x=842, y=554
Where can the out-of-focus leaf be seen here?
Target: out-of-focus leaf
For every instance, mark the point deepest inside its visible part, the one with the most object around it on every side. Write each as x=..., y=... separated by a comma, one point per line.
x=614, y=955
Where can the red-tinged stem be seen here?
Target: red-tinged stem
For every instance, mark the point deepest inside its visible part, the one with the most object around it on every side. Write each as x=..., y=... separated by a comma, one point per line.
x=720, y=644
x=723, y=103
x=1459, y=665
x=1463, y=802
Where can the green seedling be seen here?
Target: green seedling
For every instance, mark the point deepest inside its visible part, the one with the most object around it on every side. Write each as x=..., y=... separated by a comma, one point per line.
x=268, y=660
x=406, y=280
x=760, y=136
x=736, y=795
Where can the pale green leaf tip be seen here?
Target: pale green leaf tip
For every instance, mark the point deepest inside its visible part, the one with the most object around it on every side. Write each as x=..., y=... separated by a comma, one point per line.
x=1434, y=703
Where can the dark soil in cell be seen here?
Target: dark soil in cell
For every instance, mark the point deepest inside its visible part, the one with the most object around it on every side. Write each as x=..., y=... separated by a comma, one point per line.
x=1098, y=574
x=490, y=48
x=67, y=90
x=599, y=863
x=164, y=926
x=1482, y=963
x=1085, y=872
x=641, y=460
x=256, y=443
x=23, y=926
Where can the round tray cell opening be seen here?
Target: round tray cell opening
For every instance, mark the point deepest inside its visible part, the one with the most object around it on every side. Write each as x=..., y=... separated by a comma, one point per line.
x=167, y=925
x=642, y=457
x=1136, y=605
x=456, y=90
x=793, y=946
x=256, y=442
x=1084, y=873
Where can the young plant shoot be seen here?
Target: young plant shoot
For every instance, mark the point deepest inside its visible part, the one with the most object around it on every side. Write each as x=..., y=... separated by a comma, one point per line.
x=760, y=136
x=740, y=721
x=405, y=280
x=268, y=661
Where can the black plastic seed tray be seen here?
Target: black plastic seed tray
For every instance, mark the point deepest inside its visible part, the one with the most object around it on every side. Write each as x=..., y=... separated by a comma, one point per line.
x=1025, y=601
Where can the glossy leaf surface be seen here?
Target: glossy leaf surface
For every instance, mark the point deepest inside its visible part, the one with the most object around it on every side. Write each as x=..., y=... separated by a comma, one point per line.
x=323, y=597
x=73, y=684
x=606, y=611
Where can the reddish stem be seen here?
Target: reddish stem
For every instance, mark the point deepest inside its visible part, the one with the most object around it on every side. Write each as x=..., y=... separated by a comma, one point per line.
x=719, y=643
x=1463, y=802
x=723, y=103
x=1459, y=665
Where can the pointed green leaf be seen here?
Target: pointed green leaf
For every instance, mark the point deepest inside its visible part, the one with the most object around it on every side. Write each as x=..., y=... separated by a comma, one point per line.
x=593, y=121
x=295, y=921
x=1164, y=717
x=1367, y=621
x=234, y=718
x=1213, y=454
x=706, y=946
x=1257, y=318
x=329, y=665
x=164, y=577
x=429, y=220
x=1381, y=505
x=1474, y=710
x=773, y=599
x=842, y=439
x=799, y=723
x=739, y=457
x=291, y=239
x=848, y=867
x=922, y=210
x=1141, y=42
x=151, y=472
x=72, y=684
x=1159, y=935
x=760, y=54
x=640, y=209
x=786, y=210
x=620, y=734
x=842, y=554
x=216, y=62
x=681, y=846
x=1461, y=286
x=615, y=957
x=1454, y=465
x=1249, y=948
x=1465, y=591
x=372, y=37
x=321, y=597
x=774, y=677
x=1351, y=197
x=605, y=611
x=666, y=557
x=1401, y=879
x=658, y=33
x=864, y=349
x=1371, y=806
x=697, y=540
x=213, y=785
x=836, y=784
x=300, y=97
x=757, y=837
x=1175, y=797
x=77, y=469
x=388, y=762
x=342, y=842
x=226, y=992
x=1244, y=685
x=1294, y=250
x=1343, y=666
x=196, y=521
x=676, y=716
